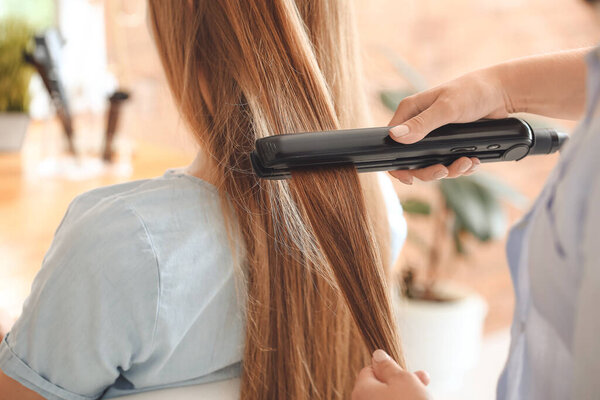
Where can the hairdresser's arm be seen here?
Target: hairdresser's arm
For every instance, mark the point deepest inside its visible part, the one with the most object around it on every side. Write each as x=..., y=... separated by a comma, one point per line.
x=384, y=379
x=552, y=85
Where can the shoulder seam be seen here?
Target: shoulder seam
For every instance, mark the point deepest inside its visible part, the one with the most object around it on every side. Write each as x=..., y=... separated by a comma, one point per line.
x=67, y=213
x=153, y=248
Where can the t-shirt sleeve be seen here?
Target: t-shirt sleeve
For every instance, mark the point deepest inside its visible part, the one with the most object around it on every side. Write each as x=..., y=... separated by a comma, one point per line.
x=91, y=313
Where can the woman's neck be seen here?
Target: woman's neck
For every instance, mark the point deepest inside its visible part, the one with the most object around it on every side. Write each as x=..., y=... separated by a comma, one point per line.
x=202, y=167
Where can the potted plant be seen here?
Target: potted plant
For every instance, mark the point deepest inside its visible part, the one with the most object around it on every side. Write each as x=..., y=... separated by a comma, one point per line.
x=441, y=324
x=15, y=74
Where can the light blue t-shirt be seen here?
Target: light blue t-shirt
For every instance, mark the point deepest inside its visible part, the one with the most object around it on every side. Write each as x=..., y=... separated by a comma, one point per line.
x=137, y=293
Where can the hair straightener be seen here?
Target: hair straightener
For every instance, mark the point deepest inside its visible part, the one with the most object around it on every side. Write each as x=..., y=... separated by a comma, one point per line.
x=372, y=149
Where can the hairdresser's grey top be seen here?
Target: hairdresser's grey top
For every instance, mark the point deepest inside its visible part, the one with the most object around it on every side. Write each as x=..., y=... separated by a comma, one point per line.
x=554, y=256
x=136, y=293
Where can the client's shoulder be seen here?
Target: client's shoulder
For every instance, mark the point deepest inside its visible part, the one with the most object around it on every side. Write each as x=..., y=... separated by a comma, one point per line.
x=171, y=196
x=157, y=212
x=171, y=187
x=160, y=224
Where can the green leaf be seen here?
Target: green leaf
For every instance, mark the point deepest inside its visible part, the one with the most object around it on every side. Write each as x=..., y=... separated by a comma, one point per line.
x=416, y=207
x=40, y=14
x=457, y=229
x=499, y=189
x=476, y=209
x=496, y=218
x=15, y=38
x=463, y=201
x=391, y=98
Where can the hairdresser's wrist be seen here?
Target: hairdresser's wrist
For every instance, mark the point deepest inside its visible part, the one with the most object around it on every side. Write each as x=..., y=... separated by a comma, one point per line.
x=518, y=86
x=504, y=78
x=553, y=84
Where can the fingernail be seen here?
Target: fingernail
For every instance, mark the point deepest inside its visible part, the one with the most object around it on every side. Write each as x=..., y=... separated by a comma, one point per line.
x=440, y=174
x=399, y=131
x=407, y=181
x=380, y=356
x=464, y=166
x=424, y=377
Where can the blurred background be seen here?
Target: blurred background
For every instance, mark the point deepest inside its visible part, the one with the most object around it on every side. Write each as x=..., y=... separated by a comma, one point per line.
x=88, y=106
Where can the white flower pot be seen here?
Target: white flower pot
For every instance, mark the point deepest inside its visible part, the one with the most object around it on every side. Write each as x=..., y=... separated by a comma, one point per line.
x=13, y=126
x=443, y=338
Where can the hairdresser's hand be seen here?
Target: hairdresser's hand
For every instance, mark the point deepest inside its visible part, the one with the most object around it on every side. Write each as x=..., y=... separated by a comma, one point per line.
x=471, y=97
x=386, y=380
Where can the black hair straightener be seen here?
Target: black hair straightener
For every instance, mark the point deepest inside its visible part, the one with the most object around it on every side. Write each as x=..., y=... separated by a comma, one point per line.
x=372, y=149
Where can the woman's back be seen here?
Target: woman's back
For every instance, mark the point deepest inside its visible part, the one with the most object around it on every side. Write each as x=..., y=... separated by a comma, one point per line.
x=138, y=287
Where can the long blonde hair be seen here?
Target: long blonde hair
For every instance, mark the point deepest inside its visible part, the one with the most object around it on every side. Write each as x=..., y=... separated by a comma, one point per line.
x=313, y=267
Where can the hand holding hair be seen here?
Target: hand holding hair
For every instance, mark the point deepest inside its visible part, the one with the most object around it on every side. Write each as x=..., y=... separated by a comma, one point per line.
x=385, y=379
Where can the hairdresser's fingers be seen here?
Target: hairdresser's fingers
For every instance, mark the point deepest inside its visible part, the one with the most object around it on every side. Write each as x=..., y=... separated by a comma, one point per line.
x=441, y=112
x=365, y=374
x=423, y=377
x=403, y=175
x=474, y=168
x=367, y=385
x=384, y=368
x=413, y=105
x=367, y=377
x=459, y=167
x=431, y=173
